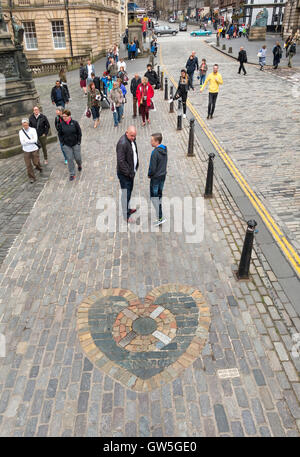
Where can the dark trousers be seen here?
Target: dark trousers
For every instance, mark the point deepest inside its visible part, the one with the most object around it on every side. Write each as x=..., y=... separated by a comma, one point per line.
x=183, y=96
x=212, y=102
x=60, y=103
x=144, y=110
x=95, y=112
x=126, y=187
x=242, y=68
x=191, y=76
x=156, y=188
x=43, y=141
x=134, y=105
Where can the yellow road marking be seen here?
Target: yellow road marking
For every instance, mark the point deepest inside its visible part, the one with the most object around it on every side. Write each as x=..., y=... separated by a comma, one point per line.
x=258, y=205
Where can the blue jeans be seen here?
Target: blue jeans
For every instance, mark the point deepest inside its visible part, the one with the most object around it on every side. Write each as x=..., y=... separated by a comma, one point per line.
x=118, y=114
x=156, y=188
x=60, y=103
x=126, y=186
x=62, y=150
x=202, y=79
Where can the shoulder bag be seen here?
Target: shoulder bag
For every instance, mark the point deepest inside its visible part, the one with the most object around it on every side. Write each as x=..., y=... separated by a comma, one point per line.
x=38, y=144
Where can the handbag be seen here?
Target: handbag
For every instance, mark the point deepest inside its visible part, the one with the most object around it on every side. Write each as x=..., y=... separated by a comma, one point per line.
x=151, y=105
x=259, y=54
x=88, y=113
x=139, y=51
x=104, y=103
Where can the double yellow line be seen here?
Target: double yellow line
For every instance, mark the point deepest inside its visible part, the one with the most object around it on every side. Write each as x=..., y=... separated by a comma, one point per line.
x=286, y=247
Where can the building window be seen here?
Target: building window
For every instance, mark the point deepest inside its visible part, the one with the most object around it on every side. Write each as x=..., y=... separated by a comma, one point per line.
x=30, y=35
x=58, y=34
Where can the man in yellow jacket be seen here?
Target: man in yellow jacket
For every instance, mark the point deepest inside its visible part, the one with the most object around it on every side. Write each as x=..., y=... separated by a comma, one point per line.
x=214, y=79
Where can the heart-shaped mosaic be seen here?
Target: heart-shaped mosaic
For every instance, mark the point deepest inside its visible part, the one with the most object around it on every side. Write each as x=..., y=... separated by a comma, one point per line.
x=144, y=345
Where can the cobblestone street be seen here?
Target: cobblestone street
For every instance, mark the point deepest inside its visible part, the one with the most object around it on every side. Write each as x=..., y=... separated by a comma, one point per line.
x=74, y=300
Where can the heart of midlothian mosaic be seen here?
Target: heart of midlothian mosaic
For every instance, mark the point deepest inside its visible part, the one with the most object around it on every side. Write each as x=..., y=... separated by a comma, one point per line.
x=145, y=344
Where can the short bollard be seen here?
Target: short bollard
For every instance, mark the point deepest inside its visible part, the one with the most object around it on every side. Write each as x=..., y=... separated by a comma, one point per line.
x=179, y=115
x=230, y=50
x=244, y=266
x=166, y=89
x=162, y=81
x=158, y=71
x=191, y=138
x=218, y=41
x=172, y=103
x=210, y=177
x=224, y=47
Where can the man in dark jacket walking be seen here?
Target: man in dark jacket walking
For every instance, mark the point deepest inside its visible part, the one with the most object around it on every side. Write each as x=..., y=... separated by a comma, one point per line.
x=127, y=165
x=151, y=75
x=192, y=65
x=277, y=54
x=59, y=96
x=133, y=87
x=242, y=58
x=157, y=174
x=41, y=124
x=69, y=133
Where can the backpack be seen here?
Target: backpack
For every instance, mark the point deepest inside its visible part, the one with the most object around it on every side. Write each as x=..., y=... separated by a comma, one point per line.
x=292, y=49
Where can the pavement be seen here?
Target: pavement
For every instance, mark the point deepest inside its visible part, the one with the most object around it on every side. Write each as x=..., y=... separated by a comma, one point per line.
x=225, y=361
x=252, y=48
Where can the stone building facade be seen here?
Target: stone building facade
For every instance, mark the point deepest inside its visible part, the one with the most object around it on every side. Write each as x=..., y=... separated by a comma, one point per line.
x=67, y=30
x=291, y=20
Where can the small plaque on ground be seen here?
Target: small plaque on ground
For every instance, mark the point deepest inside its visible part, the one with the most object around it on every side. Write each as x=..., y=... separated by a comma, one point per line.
x=228, y=373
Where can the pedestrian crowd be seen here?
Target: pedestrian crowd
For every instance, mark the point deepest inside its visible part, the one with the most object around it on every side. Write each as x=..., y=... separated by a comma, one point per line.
x=108, y=91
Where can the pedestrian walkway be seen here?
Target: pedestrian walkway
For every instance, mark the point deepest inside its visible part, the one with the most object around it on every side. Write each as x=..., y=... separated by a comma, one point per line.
x=52, y=383
x=252, y=48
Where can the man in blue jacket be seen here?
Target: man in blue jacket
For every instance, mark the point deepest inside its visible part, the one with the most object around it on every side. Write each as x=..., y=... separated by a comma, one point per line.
x=157, y=174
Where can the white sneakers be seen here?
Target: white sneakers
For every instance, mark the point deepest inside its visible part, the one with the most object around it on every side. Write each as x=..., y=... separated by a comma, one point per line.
x=184, y=116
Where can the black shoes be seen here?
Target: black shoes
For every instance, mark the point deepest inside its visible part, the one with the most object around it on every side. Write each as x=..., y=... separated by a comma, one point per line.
x=79, y=167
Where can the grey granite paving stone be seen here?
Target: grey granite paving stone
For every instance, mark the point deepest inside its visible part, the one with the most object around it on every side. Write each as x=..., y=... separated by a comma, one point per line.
x=68, y=260
x=221, y=419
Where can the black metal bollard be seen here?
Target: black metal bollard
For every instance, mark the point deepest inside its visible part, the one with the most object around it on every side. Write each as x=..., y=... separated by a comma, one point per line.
x=172, y=103
x=244, y=266
x=166, y=89
x=218, y=41
x=158, y=71
x=191, y=138
x=179, y=115
x=210, y=176
x=162, y=81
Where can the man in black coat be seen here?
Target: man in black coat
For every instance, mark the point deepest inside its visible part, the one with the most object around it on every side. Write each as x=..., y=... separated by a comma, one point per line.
x=242, y=58
x=69, y=133
x=59, y=96
x=41, y=124
x=151, y=75
x=133, y=87
x=192, y=65
x=127, y=165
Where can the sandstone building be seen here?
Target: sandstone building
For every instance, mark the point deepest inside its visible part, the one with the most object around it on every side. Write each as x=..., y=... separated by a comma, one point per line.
x=67, y=30
x=291, y=20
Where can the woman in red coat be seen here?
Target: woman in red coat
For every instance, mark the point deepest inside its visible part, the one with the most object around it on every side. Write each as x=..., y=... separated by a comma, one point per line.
x=144, y=93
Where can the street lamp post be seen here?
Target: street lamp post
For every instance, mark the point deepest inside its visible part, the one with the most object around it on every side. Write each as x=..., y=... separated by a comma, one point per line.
x=69, y=26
